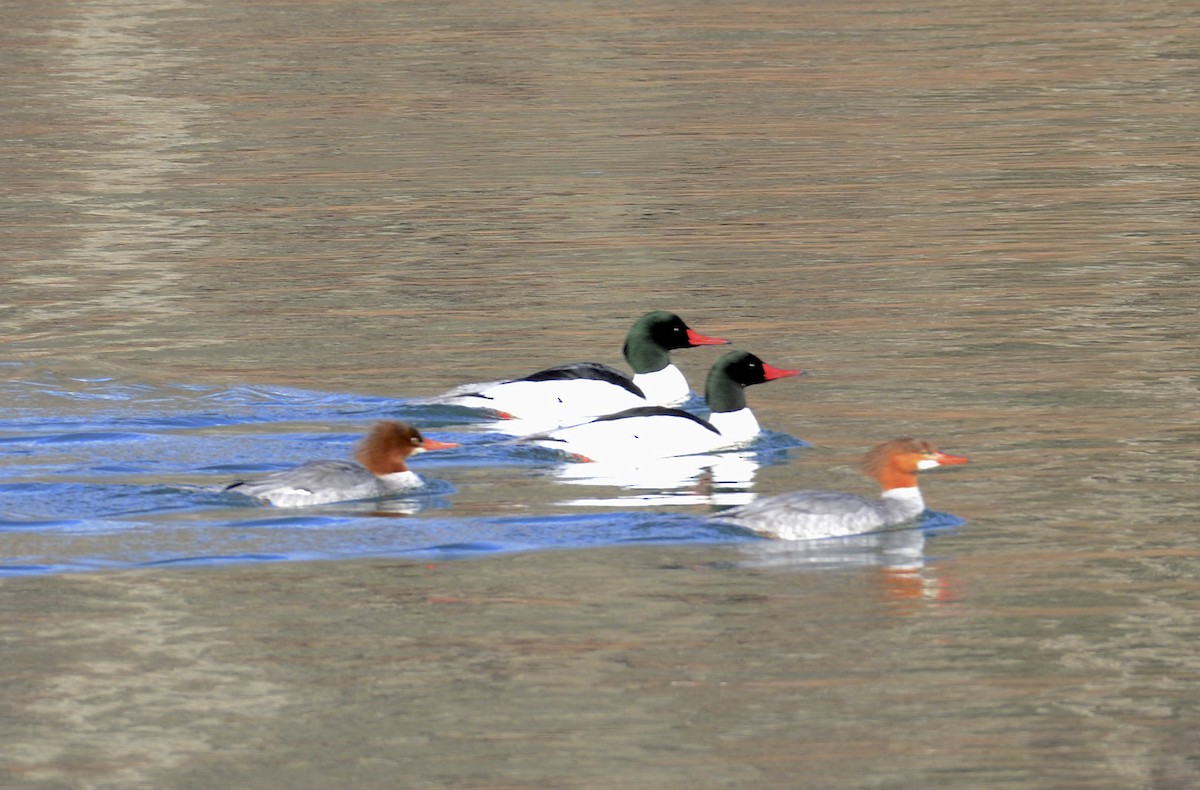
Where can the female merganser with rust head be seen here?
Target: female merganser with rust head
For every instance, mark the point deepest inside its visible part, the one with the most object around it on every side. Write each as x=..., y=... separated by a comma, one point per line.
x=807, y=515
x=581, y=390
x=380, y=470
x=663, y=432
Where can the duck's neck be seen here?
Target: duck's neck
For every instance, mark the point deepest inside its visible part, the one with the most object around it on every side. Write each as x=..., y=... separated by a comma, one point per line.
x=904, y=502
x=383, y=464
x=394, y=481
x=643, y=354
x=723, y=393
x=892, y=478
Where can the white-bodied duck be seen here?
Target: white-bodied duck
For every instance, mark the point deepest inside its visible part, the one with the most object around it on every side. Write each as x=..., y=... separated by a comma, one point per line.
x=662, y=432
x=581, y=390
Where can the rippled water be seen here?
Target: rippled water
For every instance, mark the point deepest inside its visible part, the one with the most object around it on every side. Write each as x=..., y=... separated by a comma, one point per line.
x=235, y=234
x=105, y=473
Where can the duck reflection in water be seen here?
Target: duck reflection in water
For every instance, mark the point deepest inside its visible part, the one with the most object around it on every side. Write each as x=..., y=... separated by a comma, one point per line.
x=715, y=479
x=903, y=573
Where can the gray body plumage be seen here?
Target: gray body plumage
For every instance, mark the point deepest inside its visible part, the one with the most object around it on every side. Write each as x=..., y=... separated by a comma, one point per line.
x=808, y=515
x=320, y=482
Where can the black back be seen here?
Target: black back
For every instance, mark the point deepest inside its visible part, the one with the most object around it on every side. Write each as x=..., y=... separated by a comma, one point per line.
x=657, y=411
x=586, y=370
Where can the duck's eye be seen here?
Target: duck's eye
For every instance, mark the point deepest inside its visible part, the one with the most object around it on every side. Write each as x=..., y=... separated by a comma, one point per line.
x=416, y=440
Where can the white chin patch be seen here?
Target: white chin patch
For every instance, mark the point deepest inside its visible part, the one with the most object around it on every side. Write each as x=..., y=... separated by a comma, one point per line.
x=927, y=463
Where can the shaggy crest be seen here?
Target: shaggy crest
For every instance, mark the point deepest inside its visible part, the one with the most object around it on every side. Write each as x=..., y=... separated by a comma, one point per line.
x=387, y=445
x=877, y=461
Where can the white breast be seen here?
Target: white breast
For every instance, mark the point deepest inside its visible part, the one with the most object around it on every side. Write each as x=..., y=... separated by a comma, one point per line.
x=666, y=387
x=737, y=427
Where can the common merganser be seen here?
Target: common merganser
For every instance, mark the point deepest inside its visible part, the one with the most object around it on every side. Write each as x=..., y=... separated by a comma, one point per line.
x=380, y=470
x=581, y=390
x=663, y=432
x=807, y=515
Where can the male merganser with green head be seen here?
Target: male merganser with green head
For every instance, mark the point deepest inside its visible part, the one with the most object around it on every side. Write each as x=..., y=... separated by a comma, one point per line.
x=663, y=432
x=578, y=391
